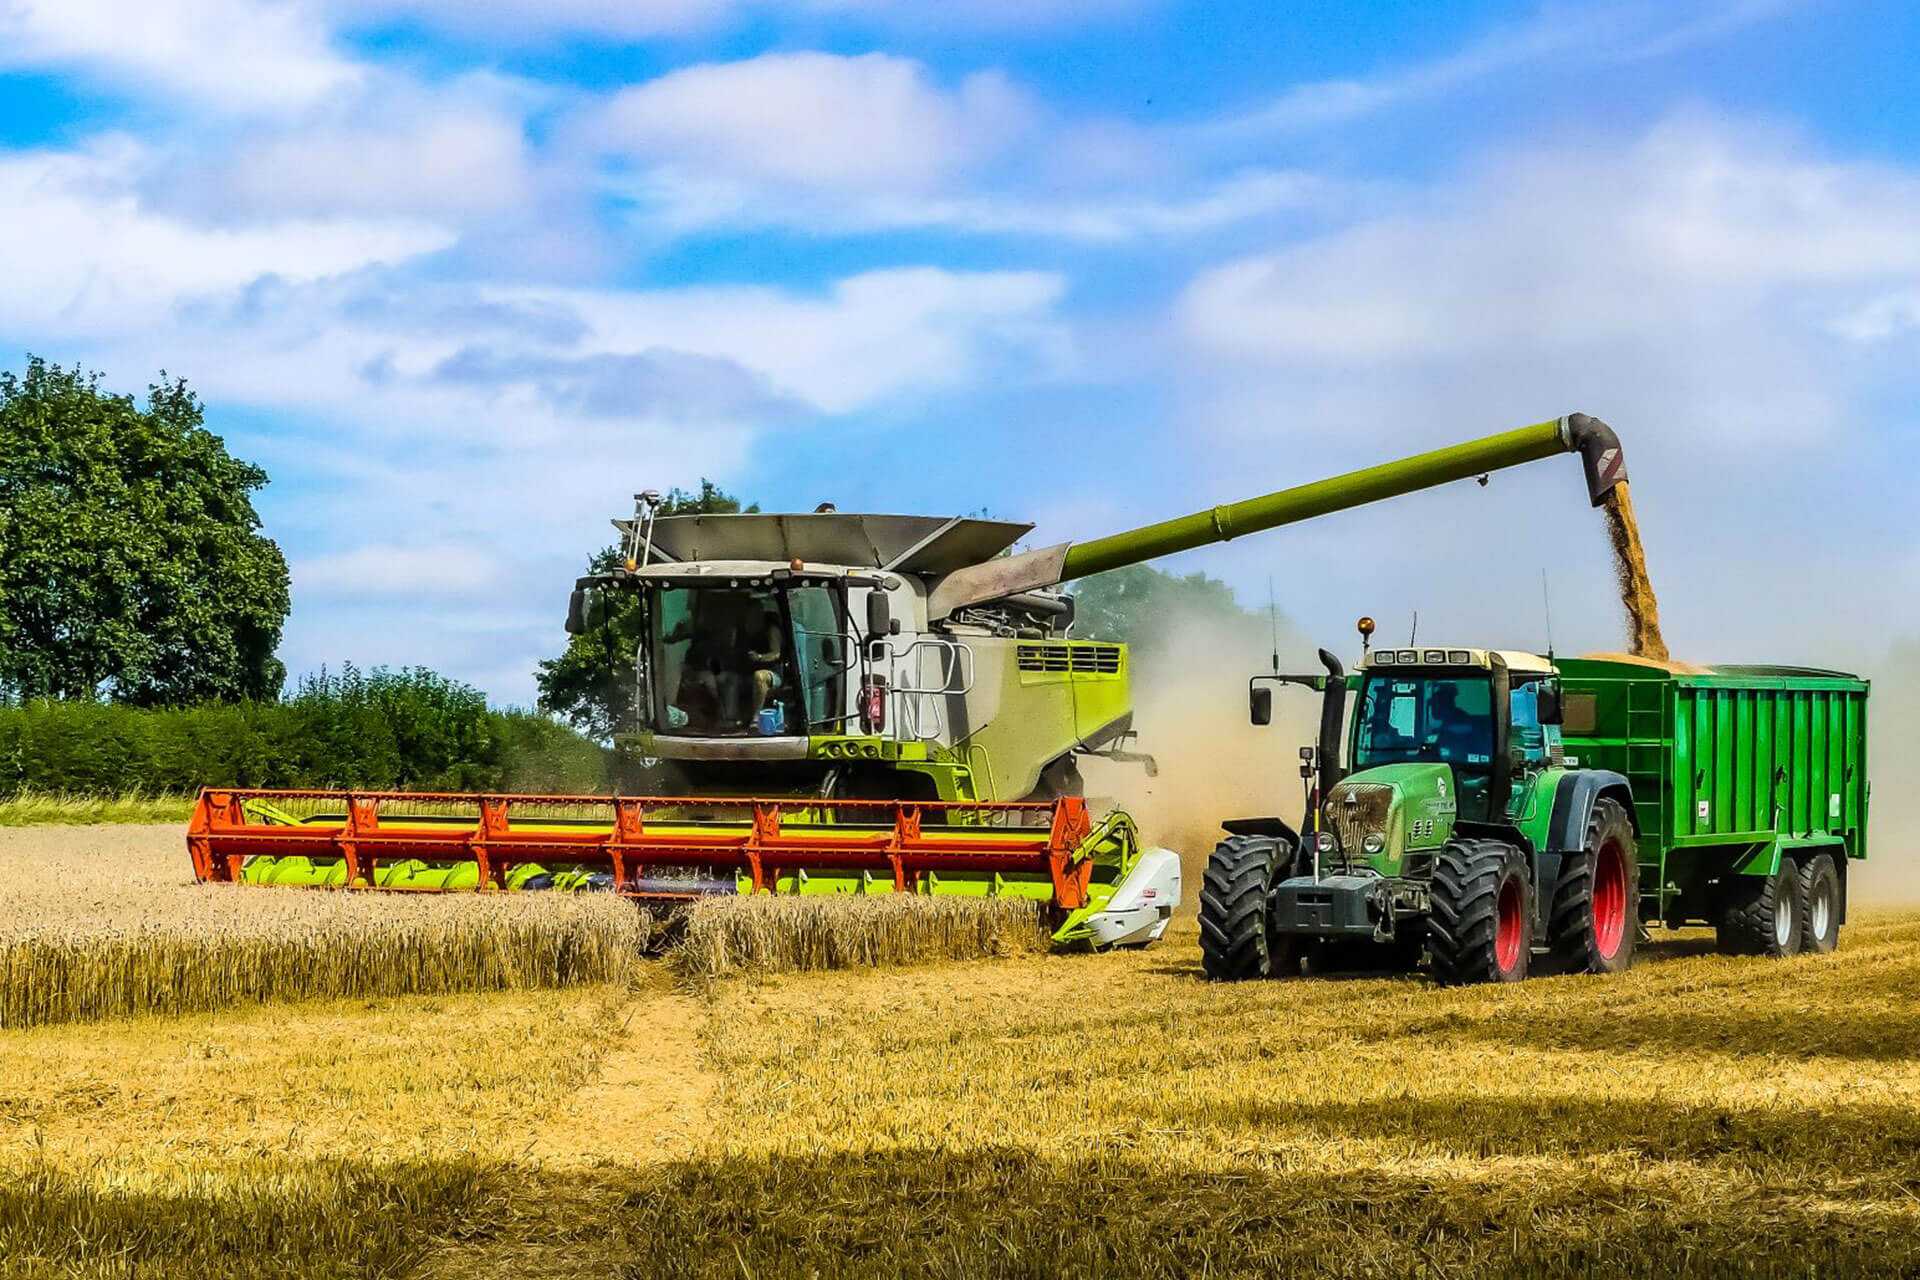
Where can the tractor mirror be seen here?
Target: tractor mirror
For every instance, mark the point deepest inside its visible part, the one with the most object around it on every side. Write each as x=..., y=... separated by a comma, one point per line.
x=879, y=615
x=1551, y=711
x=1260, y=705
x=577, y=612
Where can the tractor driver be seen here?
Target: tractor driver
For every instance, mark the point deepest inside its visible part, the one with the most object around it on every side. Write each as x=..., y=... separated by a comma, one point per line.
x=1454, y=734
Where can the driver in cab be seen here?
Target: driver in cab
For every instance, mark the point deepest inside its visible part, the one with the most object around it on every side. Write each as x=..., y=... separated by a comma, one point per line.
x=1453, y=734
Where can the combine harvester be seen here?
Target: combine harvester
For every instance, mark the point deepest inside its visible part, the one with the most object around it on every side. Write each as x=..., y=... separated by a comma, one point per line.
x=856, y=704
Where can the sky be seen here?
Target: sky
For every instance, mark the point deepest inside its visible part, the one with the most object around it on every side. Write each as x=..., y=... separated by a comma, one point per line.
x=465, y=275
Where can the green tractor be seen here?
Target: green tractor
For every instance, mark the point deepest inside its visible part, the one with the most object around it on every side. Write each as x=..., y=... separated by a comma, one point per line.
x=1497, y=812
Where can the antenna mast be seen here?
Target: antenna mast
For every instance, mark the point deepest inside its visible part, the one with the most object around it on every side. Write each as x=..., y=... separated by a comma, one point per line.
x=1273, y=623
x=1546, y=604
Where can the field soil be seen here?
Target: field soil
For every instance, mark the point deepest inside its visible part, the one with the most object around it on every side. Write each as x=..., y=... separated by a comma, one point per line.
x=1027, y=1116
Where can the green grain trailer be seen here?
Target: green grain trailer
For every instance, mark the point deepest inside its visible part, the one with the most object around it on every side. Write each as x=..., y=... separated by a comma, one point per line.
x=1749, y=790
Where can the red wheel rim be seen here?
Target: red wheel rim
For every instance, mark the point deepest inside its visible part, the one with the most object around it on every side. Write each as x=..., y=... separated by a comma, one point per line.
x=1510, y=929
x=1609, y=900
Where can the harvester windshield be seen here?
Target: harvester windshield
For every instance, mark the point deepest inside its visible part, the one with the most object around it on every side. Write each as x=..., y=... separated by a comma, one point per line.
x=746, y=660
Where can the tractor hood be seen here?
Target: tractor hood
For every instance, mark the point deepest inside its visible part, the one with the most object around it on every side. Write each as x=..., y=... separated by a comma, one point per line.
x=1409, y=807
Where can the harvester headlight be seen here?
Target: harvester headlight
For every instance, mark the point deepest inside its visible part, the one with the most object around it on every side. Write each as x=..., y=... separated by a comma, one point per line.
x=1324, y=841
x=1374, y=843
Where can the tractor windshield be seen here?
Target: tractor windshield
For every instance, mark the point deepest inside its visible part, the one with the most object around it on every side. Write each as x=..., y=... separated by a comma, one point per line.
x=746, y=661
x=1445, y=719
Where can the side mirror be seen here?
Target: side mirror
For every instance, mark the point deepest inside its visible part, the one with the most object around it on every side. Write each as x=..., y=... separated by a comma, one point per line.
x=577, y=612
x=879, y=615
x=1260, y=705
x=1549, y=704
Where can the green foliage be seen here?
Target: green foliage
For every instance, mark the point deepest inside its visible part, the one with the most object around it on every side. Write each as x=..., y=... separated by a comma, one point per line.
x=1142, y=605
x=131, y=561
x=378, y=729
x=591, y=684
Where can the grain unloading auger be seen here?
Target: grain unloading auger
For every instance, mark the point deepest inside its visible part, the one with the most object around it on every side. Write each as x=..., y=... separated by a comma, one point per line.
x=844, y=704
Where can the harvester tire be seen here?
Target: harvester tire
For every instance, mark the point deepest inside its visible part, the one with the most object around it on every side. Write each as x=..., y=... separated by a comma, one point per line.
x=1480, y=929
x=1595, y=919
x=1237, y=940
x=1760, y=915
x=1819, y=905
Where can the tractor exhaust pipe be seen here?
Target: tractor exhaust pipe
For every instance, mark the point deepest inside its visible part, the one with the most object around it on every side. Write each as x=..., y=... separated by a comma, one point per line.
x=1333, y=716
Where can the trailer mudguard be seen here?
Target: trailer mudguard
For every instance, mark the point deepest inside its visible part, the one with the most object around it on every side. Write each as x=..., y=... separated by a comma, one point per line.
x=1765, y=859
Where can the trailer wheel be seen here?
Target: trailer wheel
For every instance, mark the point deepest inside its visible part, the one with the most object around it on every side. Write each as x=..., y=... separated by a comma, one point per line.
x=1760, y=915
x=1236, y=934
x=1819, y=905
x=1481, y=926
x=1595, y=919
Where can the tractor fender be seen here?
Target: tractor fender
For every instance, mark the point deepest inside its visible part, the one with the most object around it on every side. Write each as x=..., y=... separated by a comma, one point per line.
x=1573, y=805
x=1262, y=827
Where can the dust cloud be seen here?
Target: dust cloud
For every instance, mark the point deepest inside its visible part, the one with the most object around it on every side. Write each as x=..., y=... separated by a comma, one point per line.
x=1891, y=874
x=1191, y=714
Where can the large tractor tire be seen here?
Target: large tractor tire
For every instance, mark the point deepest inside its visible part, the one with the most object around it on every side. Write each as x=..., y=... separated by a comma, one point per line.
x=1595, y=918
x=1237, y=940
x=1481, y=926
x=1820, y=905
x=1760, y=915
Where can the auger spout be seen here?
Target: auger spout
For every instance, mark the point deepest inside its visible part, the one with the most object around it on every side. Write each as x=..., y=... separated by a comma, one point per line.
x=1599, y=448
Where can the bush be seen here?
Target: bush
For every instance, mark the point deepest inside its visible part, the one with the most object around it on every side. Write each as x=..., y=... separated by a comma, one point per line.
x=407, y=729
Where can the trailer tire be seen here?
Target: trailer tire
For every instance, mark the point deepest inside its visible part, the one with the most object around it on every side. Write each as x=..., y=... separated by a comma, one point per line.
x=1760, y=915
x=1237, y=940
x=1819, y=905
x=1480, y=929
x=1595, y=918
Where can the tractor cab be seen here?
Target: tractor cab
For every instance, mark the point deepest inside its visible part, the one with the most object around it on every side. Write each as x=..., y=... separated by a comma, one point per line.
x=1445, y=707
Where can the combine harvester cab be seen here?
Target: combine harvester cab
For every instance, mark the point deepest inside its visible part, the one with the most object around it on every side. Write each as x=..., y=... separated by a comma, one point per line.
x=837, y=703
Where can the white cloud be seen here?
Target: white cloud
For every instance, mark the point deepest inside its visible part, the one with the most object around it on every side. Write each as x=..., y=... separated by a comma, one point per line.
x=447, y=153
x=813, y=120
x=246, y=55
x=83, y=255
x=536, y=20
x=388, y=570
x=1695, y=229
x=680, y=201
x=1557, y=36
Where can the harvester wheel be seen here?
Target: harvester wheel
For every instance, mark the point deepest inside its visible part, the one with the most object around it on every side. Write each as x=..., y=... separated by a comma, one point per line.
x=1481, y=926
x=1236, y=935
x=1819, y=905
x=1760, y=915
x=1596, y=903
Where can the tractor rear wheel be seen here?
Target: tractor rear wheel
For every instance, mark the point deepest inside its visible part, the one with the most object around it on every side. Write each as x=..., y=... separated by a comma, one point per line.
x=1760, y=915
x=1481, y=926
x=1820, y=905
x=1595, y=919
x=1237, y=940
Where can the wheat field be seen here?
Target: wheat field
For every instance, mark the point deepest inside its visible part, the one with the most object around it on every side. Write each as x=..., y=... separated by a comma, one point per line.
x=1027, y=1115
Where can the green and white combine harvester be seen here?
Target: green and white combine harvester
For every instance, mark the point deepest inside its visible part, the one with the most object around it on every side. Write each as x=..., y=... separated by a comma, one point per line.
x=849, y=704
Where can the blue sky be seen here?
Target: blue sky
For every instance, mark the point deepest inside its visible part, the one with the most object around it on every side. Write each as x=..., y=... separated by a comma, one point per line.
x=465, y=274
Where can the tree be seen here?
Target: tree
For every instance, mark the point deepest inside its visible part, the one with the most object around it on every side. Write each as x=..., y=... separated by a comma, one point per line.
x=132, y=566
x=1141, y=604
x=591, y=684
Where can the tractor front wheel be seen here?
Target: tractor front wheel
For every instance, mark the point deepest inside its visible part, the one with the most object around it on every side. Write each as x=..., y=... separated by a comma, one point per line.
x=1237, y=940
x=1596, y=903
x=1481, y=926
